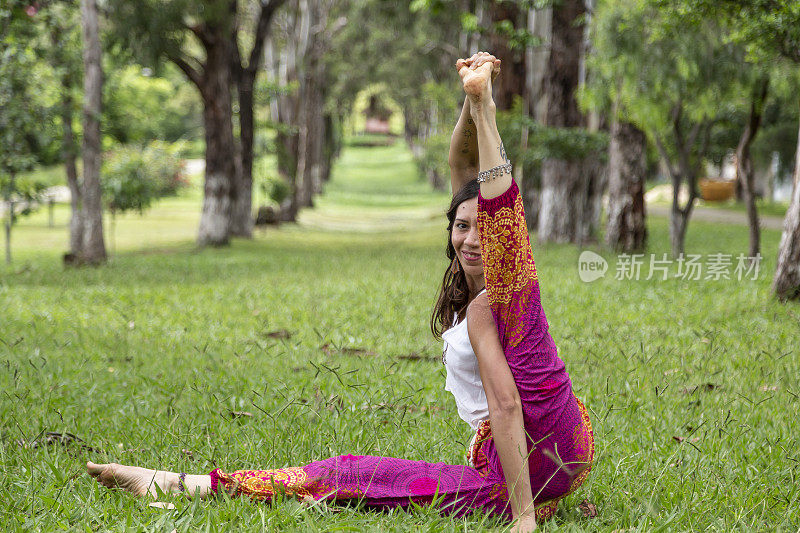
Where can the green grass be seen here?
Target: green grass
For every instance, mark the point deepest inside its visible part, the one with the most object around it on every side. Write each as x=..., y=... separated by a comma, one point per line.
x=145, y=358
x=763, y=206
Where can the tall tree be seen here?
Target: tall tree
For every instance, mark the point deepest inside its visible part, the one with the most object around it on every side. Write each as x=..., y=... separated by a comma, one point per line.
x=62, y=51
x=626, y=229
x=757, y=97
x=671, y=85
x=508, y=37
x=93, y=250
x=570, y=187
x=244, y=76
x=202, y=39
x=20, y=116
x=770, y=30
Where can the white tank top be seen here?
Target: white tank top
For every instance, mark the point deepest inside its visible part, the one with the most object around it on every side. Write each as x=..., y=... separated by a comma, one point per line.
x=463, y=376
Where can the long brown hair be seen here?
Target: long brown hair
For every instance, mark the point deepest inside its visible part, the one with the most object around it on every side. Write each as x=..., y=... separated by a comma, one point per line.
x=454, y=294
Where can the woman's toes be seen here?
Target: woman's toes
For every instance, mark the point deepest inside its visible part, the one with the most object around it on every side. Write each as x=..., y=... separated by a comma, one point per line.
x=94, y=469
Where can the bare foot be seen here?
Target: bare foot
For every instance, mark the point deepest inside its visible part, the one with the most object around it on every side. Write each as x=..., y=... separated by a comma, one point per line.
x=477, y=74
x=140, y=481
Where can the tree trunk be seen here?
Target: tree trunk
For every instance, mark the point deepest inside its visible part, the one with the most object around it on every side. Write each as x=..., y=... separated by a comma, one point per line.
x=313, y=125
x=678, y=223
x=245, y=78
x=596, y=175
x=411, y=133
x=626, y=230
x=531, y=201
x=512, y=81
x=9, y=221
x=93, y=249
x=242, y=203
x=786, y=283
x=68, y=150
x=565, y=189
x=331, y=144
x=285, y=114
x=215, y=220
x=679, y=216
x=562, y=199
x=744, y=163
x=539, y=22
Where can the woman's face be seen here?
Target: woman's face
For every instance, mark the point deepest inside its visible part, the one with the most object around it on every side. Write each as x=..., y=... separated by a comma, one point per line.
x=465, y=239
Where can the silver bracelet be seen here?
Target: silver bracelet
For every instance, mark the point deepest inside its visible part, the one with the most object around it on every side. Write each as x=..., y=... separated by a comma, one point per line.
x=494, y=172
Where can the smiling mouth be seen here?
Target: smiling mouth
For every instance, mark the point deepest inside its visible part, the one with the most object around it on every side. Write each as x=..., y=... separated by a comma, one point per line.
x=470, y=256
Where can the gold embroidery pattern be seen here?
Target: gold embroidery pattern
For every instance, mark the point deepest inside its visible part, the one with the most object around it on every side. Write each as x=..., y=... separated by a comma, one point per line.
x=263, y=484
x=508, y=266
x=546, y=510
x=584, y=435
x=475, y=454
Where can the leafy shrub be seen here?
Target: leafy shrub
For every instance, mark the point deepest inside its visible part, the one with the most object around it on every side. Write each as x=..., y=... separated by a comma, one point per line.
x=275, y=188
x=544, y=142
x=133, y=177
x=164, y=164
x=434, y=158
x=24, y=191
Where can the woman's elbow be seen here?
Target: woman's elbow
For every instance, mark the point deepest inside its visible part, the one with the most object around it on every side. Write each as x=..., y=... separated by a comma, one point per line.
x=508, y=405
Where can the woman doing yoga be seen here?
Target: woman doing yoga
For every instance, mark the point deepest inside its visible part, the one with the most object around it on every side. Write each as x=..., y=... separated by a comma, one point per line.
x=533, y=443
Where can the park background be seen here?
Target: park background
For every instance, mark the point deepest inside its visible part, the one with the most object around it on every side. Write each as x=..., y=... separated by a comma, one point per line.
x=225, y=234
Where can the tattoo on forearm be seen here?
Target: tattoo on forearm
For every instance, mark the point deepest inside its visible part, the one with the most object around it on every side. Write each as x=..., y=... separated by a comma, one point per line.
x=467, y=135
x=469, y=121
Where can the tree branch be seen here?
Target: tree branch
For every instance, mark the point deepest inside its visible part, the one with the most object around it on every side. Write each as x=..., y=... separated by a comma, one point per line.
x=268, y=9
x=182, y=62
x=664, y=155
x=201, y=32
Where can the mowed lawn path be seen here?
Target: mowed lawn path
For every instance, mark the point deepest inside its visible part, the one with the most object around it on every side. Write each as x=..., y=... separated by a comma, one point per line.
x=312, y=340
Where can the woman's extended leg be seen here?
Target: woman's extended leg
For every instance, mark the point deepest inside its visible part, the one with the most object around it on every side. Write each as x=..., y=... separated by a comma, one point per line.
x=377, y=482
x=143, y=481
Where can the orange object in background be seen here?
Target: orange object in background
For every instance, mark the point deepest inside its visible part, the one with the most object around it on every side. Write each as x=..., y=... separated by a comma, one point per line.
x=717, y=191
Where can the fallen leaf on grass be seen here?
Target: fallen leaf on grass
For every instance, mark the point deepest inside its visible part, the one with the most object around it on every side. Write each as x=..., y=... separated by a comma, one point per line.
x=358, y=351
x=372, y=407
x=705, y=387
x=50, y=438
x=347, y=350
x=768, y=388
x=415, y=356
x=424, y=409
x=280, y=334
x=588, y=509
x=162, y=505
x=681, y=439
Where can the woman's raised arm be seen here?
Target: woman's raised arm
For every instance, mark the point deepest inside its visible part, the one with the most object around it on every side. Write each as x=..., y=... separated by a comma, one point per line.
x=463, y=155
x=477, y=77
